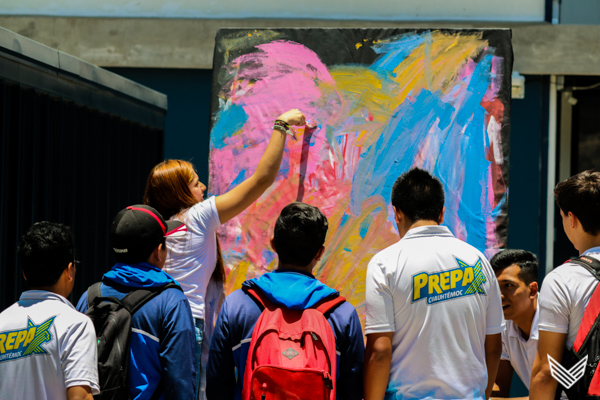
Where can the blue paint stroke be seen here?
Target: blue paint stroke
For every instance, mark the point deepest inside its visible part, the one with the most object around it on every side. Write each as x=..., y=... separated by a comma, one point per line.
x=334, y=143
x=229, y=121
x=449, y=139
x=497, y=211
x=364, y=225
x=238, y=179
x=475, y=210
x=397, y=147
x=474, y=206
x=394, y=52
x=268, y=256
x=344, y=219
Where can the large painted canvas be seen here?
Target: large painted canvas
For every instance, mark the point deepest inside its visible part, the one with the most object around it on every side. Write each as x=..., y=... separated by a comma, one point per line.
x=385, y=100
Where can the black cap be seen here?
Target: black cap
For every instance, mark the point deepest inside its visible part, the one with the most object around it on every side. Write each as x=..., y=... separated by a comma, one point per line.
x=137, y=230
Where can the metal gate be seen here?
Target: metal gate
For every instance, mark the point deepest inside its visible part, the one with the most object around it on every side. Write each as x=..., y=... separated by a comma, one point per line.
x=72, y=150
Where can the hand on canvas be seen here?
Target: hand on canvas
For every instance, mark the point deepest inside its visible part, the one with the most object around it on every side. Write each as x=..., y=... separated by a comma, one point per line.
x=293, y=117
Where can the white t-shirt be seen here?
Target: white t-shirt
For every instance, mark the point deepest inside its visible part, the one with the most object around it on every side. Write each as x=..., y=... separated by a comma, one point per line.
x=565, y=293
x=441, y=298
x=46, y=346
x=520, y=352
x=191, y=259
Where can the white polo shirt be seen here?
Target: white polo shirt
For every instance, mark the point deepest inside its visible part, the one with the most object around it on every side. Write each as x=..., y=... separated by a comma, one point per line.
x=440, y=298
x=46, y=346
x=520, y=352
x=565, y=293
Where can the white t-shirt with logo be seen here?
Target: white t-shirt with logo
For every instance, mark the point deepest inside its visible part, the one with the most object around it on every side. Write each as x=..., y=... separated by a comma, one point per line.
x=46, y=346
x=565, y=293
x=441, y=298
x=191, y=259
x=520, y=352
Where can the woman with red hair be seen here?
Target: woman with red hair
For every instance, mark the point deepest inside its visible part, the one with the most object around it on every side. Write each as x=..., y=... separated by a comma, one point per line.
x=174, y=190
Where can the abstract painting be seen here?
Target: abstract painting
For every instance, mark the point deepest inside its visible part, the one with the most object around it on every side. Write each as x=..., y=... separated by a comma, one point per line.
x=384, y=100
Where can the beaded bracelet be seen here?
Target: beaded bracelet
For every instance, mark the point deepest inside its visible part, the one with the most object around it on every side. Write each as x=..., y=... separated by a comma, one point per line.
x=284, y=127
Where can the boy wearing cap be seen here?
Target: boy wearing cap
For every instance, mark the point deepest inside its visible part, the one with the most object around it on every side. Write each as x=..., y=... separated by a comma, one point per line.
x=162, y=336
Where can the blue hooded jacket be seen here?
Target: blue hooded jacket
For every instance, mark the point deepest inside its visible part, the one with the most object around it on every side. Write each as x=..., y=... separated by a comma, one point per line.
x=163, y=334
x=295, y=290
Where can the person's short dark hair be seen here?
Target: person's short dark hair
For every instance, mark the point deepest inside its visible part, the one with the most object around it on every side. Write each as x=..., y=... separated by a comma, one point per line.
x=580, y=194
x=299, y=233
x=45, y=251
x=526, y=260
x=419, y=195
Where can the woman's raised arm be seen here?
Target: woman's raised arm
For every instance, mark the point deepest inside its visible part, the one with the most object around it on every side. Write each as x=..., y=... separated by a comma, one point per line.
x=239, y=198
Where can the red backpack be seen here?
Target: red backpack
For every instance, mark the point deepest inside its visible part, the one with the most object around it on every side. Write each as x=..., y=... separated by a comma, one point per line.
x=584, y=377
x=292, y=353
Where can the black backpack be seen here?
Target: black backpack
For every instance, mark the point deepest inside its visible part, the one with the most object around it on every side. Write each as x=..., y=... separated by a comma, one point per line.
x=587, y=344
x=112, y=322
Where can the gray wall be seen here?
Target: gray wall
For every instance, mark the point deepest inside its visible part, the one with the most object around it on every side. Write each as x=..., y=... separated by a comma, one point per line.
x=580, y=12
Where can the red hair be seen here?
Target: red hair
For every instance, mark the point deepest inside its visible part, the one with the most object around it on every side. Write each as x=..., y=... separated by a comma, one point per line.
x=168, y=191
x=167, y=188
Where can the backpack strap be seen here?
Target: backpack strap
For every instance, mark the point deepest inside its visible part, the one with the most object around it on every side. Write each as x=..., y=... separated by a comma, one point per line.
x=590, y=314
x=159, y=390
x=590, y=317
x=260, y=298
x=592, y=310
x=137, y=298
x=93, y=292
x=323, y=306
x=328, y=304
x=589, y=263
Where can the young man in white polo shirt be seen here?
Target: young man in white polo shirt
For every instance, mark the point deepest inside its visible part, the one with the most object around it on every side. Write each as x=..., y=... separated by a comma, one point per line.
x=47, y=348
x=433, y=307
x=516, y=271
x=567, y=290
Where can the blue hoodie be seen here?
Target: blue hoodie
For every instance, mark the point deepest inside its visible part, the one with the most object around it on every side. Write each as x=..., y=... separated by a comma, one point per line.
x=163, y=335
x=295, y=290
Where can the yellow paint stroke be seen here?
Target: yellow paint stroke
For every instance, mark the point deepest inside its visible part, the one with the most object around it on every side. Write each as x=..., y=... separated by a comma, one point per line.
x=360, y=135
x=358, y=46
x=448, y=53
x=346, y=270
x=364, y=89
x=427, y=62
x=236, y=276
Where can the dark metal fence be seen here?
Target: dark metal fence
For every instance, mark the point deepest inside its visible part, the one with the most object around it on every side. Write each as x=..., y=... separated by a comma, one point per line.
x=70, y=152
